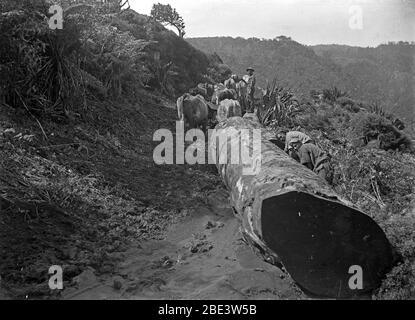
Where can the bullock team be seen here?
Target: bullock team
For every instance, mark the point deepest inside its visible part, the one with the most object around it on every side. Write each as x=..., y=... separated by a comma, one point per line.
x=234, y=98
x=218, y=101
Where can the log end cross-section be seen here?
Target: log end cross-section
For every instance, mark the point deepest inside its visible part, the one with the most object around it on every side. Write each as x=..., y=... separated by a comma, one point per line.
x=319, y=240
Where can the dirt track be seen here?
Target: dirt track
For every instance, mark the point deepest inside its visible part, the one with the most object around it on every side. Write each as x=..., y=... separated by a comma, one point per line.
x=201, y=254
x=202, y=257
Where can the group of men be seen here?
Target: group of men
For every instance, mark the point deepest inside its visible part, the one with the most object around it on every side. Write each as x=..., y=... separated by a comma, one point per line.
x=297, y=144
x=244, y=88
x=217, y=101
x=302, y=148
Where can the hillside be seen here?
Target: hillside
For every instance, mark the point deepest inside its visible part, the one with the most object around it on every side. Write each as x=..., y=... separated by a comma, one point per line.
x=291, y=63
x=79, y=186
x=380, y=182
x=111, y=55
x=383, y=74
x=78, y=109
x=190, y=65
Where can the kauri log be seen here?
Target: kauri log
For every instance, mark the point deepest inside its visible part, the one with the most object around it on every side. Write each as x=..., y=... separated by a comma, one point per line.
x=328, y=246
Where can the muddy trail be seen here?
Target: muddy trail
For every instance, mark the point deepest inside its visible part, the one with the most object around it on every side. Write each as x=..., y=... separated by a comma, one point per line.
x=92, y=200
x=202, y=257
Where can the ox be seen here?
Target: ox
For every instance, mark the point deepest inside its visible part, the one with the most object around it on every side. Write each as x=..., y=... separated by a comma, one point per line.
x=193, y=110
x=228, y=108
x=222, y=93
x=204, y=89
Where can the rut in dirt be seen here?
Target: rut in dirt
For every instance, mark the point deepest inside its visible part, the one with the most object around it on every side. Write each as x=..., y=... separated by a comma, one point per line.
x=204, y=256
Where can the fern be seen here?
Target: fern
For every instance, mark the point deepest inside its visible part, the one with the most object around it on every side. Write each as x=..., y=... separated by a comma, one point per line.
x=279, y=106
x=333, y=94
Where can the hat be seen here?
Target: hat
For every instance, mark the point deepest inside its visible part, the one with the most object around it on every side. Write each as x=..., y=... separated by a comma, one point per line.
x=250, y=68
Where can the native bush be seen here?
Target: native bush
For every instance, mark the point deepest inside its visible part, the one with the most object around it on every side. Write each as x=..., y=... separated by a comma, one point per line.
x=53, y=72
x=372, y=126
x=279, y=106
x=167, y=15
x=348, y=104
x=332, y=94
x=39, y=64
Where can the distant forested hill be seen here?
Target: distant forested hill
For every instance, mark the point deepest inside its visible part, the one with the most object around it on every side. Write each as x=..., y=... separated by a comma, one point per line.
x=384, y=74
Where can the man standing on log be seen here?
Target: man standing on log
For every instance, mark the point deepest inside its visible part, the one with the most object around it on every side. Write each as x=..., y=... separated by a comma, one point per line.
x=313, y=158
x=231, y=82
x=251, y=81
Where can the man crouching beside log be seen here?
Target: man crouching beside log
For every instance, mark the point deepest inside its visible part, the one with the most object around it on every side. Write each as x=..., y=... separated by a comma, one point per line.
x=288, y=136
x=313, y=158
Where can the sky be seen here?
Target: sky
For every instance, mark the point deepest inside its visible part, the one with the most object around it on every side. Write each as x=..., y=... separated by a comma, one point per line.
x=352, y=22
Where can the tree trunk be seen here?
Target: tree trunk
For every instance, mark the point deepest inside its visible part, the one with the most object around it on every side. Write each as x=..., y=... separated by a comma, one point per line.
x=290, y=212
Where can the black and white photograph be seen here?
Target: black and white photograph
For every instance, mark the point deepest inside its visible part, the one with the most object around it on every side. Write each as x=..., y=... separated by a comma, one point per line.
x=207, y=155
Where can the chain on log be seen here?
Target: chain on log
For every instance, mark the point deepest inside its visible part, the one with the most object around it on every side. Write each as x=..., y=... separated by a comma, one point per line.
x=329, y=247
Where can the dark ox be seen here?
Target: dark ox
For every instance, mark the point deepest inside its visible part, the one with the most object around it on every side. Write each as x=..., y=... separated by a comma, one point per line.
x=222, y=93
x=204, y=89
x=193, y=110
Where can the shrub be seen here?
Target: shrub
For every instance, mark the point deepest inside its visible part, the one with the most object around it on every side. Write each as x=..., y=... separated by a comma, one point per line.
x=348, y=104
x=333, y=94
x=370, y=126
x=280, y=106
x=40, y=67
x=53, y=72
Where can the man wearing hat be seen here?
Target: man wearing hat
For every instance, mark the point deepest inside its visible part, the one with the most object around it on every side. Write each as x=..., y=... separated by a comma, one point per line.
x=313, y=158
x=251, y=81
x=290, y=135
x=231, y=82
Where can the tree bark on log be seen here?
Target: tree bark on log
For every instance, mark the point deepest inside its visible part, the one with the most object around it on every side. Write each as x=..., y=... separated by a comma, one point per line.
x=289, y=211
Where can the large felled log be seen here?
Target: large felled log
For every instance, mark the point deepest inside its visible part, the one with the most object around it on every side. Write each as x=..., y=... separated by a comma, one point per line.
x=287, y=210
